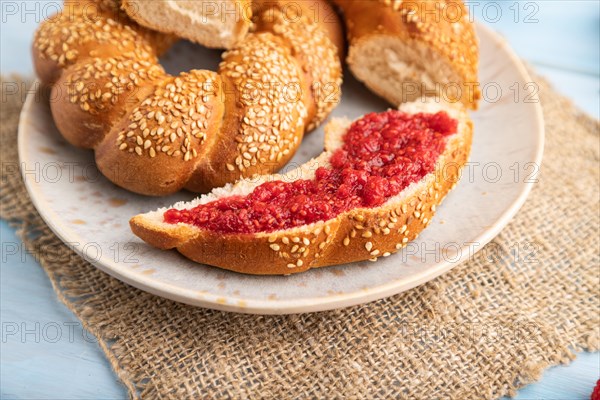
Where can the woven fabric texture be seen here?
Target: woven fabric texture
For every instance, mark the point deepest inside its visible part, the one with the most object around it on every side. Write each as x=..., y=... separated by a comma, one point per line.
x=481, y=331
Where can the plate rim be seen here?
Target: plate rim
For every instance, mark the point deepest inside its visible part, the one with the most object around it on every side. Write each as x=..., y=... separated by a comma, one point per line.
x=280, y=307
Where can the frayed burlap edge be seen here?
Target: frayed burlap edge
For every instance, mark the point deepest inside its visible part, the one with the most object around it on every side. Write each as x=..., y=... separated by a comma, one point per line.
x=483, y=330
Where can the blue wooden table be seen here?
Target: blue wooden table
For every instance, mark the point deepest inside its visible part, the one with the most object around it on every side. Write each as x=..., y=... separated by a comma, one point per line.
x=45, y=353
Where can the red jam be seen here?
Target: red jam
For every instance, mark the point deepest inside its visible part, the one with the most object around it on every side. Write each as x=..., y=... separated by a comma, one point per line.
x=382, y=154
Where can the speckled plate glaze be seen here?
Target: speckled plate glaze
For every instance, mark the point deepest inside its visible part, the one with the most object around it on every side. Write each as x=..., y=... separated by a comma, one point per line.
x=91, y=215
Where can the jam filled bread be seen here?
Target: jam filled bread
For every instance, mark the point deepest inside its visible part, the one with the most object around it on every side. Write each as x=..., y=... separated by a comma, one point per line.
x=374, y=188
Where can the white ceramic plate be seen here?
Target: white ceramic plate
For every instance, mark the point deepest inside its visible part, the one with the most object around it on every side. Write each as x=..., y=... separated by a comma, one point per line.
x=91, y=215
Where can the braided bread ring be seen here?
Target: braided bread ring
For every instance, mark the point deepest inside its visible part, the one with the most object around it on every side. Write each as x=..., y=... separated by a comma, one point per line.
x=156, y=134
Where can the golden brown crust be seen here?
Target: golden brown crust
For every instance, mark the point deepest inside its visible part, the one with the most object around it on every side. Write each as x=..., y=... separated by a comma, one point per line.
x=88, y=96
x=319, y=27
x=155, y=134
x=441, y=26
x=356, y=235
x=170, y=127
x=142, y=228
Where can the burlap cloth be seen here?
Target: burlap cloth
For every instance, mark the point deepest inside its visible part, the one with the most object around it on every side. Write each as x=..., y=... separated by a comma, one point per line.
x=483, y=330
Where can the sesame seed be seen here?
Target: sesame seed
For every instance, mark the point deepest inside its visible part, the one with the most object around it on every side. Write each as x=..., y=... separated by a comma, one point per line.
x=346, y=241
x=368, y=246
x=275, y=247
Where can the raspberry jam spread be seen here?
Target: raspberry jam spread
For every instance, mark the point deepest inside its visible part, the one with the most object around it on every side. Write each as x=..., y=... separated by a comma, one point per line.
x=382, y=154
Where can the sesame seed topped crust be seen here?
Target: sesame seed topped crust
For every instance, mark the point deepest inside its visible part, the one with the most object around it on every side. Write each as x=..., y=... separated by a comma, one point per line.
x=113, y=76
x=268, y=82
x=174, y=120
x=317, y=55
x=91, y=29
x=95, y=95
x=214, y=128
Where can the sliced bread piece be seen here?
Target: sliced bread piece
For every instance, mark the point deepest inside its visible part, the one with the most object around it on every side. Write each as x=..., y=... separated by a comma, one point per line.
x=405, y=50
x=214, y=23
x=353, y=235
